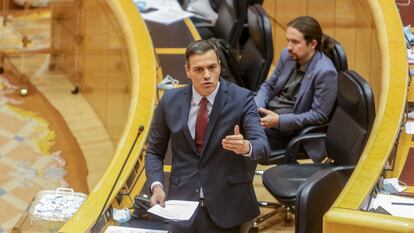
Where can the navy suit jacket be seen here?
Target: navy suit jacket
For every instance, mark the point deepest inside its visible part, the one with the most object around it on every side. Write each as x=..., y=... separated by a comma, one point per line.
x=226, y=177
x=316, y=97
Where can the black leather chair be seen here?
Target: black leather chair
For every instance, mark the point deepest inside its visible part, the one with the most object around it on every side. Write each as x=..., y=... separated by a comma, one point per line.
x=308, y=185
x=257, y=54
x=229, y=25
x=283, y=155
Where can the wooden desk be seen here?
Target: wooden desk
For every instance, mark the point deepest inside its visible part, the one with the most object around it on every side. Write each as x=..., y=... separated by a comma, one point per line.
x=170, y=42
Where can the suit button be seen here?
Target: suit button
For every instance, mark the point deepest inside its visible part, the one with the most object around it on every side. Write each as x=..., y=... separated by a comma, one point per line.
x=197, y=190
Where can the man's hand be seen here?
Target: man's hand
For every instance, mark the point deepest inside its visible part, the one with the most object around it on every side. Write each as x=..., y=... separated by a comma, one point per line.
x=158, y=196
x=236, y=142
x=270, y=119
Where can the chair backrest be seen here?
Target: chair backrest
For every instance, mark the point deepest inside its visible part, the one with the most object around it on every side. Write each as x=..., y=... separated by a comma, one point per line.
x=257, y=55
x=339, y=57
x=337, y=54
x=231, y=16
x=352, y=121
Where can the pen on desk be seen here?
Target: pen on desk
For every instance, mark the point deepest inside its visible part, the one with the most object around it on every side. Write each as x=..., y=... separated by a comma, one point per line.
x=402, y=203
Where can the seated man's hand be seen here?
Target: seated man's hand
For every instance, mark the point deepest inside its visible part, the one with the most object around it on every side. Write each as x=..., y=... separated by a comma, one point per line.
x=158, y=196
x=270, y=119
x=236, y=142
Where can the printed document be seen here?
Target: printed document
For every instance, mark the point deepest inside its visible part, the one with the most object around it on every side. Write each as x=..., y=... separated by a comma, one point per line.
x=395, y=205
x=175, y=210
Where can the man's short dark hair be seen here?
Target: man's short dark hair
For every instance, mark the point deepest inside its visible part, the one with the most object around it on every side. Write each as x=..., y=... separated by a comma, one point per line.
x=309, y=27
x=200, y=47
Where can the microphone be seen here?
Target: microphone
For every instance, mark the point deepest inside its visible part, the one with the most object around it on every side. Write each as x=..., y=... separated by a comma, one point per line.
x=140, y=130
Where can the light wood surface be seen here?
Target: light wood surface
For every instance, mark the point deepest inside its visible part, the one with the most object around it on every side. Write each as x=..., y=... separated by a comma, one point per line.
x=82, y=120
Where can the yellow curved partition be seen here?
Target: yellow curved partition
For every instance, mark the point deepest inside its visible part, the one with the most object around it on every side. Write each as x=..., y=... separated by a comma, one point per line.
x=128, y=155
x=345, y=214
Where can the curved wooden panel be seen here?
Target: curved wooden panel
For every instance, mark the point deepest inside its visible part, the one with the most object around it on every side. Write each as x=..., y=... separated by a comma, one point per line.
x=128, y=156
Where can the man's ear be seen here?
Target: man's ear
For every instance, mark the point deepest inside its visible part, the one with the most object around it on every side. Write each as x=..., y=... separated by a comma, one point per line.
x=187, y=70
x=314, y=43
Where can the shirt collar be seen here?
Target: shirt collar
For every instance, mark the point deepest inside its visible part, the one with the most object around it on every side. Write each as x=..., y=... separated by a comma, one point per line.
x=197, y=97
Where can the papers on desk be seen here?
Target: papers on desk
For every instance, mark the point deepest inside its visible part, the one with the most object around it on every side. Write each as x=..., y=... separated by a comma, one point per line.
x=118, y=229
x=166, y=16
x=395, y=205
x=167, y=11
x=409, y=126
x=175, y=210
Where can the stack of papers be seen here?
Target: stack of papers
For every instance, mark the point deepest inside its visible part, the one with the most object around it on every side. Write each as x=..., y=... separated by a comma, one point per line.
x=175, y=210
x=166, y=11
x=166, y=16
x=395, y=205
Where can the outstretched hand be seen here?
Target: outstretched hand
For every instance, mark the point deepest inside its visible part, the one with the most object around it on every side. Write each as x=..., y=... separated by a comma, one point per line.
x=236, y=142
x=270, y=119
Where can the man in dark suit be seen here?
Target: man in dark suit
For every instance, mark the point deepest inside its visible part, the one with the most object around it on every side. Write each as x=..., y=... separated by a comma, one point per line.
x=302, y=89
x=216, y=139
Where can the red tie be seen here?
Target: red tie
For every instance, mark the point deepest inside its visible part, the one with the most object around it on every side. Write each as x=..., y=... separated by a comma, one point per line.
x=201, y=124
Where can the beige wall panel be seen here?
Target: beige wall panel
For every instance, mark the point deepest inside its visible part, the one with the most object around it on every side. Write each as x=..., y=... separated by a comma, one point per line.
x=363, y=41
x=270, y=7
x=345, y=31
x=375, y=69
x=324, y=12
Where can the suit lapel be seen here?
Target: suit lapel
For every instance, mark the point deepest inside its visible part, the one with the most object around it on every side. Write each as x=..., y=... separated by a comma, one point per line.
x=308, y=76
x=185, y=109
x=219, y=102
x=284, y=76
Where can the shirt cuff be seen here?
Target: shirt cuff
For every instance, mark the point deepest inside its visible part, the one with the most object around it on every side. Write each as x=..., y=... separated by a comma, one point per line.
x=155, y=183
x=245, y=155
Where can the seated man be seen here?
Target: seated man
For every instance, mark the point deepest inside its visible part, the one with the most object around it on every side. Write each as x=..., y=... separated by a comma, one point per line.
x=302, y=89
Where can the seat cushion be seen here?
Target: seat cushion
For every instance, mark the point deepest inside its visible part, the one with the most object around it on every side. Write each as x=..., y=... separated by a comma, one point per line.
x=283, y=181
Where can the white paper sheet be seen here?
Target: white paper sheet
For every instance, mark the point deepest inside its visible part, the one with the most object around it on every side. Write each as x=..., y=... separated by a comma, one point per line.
x=395, y=205
x=409, y=127
x=175, y=210
x=166, y=16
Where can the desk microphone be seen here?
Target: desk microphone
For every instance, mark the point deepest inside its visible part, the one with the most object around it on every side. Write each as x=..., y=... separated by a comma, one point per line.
x=140, y=130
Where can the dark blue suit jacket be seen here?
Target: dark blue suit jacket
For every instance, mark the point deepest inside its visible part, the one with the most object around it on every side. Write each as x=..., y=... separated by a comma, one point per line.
x=226, y=177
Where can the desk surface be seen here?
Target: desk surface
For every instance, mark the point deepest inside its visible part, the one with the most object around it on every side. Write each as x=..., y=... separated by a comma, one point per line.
x=170, y=42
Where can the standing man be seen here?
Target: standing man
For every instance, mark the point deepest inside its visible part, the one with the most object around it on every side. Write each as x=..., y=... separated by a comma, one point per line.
x=216, y=139
x=302, y=90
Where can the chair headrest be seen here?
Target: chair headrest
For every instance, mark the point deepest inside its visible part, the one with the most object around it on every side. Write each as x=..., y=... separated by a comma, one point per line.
x=259, y=28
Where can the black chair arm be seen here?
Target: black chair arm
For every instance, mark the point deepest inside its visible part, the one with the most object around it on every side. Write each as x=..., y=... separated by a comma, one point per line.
x=314, y=129
x=294, y=144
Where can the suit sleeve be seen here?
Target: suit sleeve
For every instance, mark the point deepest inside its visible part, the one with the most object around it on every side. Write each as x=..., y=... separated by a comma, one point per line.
x=157, y=145
x=266, y=91
x=325, y=93
x=253, y=132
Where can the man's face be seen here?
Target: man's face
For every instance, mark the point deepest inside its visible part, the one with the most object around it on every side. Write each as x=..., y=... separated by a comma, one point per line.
x=204, y=72
x=299, y=49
